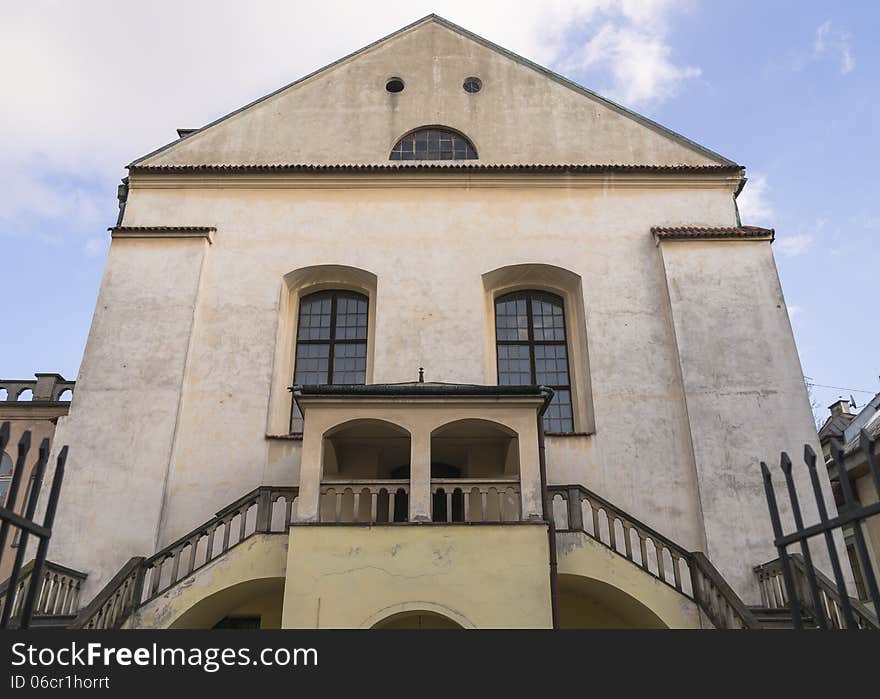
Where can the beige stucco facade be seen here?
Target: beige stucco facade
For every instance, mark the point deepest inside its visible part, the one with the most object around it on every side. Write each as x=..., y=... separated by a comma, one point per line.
x=684, y=369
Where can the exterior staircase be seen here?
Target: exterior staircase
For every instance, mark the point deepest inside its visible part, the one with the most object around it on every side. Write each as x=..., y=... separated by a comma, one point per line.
x=269, y=510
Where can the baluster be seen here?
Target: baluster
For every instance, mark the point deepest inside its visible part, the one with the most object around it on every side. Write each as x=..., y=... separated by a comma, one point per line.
x=337, y=505
x=574, y=512
x=449, y=505
x=374, y=505
x=356, y=505
x=484, y=504
x=643, y=549
x=156, y=574
x=243, y=526
x=226, y=527
x=193, y=546
x=612, y=535
x=627, y=540
x=175, y=564
x=676, y=573
x=467, y=504
x=392, y=494
x=288, y=510
x=658, y=549
x=209, y=546
x=596, y=530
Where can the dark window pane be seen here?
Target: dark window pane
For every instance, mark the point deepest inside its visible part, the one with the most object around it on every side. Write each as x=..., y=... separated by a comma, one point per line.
x=331, y=342
x=433, y=144
x=530, y=335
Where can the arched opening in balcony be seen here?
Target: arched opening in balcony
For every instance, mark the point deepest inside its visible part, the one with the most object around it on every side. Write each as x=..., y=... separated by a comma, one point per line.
x=474, y=472
x=362, y=477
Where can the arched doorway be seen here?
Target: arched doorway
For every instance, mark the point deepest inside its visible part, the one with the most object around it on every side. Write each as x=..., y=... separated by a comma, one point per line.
x=585, y=603
x=417, y=619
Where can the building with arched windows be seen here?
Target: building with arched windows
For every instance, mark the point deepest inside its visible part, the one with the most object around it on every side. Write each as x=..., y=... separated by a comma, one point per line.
x=432, y=337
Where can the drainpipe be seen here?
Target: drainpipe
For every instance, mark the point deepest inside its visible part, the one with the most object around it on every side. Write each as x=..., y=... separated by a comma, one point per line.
x=548, y=510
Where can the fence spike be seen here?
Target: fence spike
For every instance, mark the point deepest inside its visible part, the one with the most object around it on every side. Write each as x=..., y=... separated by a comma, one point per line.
x=785, y=463
x=784, y=561
x=810, y=458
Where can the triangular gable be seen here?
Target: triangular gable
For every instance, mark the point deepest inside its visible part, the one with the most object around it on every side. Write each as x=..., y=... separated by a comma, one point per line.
x=342, y=114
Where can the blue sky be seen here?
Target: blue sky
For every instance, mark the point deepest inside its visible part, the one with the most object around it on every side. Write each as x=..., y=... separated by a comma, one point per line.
x=789, y=89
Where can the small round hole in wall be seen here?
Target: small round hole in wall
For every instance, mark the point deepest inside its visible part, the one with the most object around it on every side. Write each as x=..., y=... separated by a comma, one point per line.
x=472, y=85
x=394, y=85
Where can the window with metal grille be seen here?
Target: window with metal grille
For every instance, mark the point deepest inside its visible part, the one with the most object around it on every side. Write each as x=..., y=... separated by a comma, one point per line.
x=433, y=144
x=532, y=350
x=331, y=342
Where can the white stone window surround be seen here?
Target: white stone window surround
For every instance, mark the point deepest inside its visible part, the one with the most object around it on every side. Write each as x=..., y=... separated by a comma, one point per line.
x=568, y=285
x=296, y=284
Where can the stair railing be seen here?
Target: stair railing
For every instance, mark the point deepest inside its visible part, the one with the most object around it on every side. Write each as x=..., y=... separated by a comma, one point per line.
x=142, y=579
x=775, y=596
x=57, y=594
x=689, y=573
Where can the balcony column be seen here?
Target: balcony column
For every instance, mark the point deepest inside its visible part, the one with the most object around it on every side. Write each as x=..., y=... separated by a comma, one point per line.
x=308, y=503
x=420, y=476
x=529, y=471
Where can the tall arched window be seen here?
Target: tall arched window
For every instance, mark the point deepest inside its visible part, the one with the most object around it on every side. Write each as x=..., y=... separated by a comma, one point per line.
x=532, y=350
x=433, y=144
x=331, y=342
x=5, y=476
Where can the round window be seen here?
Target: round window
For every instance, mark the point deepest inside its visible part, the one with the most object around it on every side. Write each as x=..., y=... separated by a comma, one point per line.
x=472, y=85
x=394, y=85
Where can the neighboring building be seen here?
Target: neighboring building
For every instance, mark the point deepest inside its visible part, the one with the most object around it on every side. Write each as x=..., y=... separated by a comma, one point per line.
x=846, y=428
x=29, y=406
x=572, y=277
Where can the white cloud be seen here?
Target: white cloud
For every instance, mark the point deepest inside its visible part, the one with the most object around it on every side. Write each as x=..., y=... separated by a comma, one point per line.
x=753, y=202
x=794, y=245
x=835, y=42
x=638, y=55
x=88, y=87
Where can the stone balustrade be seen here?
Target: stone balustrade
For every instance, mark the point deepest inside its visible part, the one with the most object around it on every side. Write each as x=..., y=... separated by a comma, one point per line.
x=58, y=594
x=262, y=511
x=45, y=388
x=830, y=604
x=574, y=508
x=475, y=500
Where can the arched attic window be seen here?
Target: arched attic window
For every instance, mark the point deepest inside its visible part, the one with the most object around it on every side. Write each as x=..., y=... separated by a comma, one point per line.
x=433, y=144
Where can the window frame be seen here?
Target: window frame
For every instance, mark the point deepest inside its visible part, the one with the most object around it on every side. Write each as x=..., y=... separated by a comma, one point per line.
x=529, y=295
x=332, y=342
x=469, y=144
x=4, y=456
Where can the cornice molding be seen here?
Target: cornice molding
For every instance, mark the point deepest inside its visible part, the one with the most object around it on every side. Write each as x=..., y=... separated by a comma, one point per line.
x=163, y=232
x=439, y=177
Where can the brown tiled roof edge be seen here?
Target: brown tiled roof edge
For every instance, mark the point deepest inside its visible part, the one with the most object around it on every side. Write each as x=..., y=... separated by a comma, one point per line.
x=713, y=233
x=453, y=167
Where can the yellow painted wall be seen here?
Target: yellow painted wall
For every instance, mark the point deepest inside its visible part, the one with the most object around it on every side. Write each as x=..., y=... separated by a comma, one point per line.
x=479, y=576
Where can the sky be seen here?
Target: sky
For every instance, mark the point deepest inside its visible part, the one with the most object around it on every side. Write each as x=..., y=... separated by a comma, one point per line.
x=788, y=89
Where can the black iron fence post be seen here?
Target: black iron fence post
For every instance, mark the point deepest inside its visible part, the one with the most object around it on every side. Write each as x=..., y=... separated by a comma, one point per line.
x=26, y=525
x=827, y=601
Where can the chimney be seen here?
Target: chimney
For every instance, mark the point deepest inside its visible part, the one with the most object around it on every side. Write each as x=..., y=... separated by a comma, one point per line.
x=841, y=407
